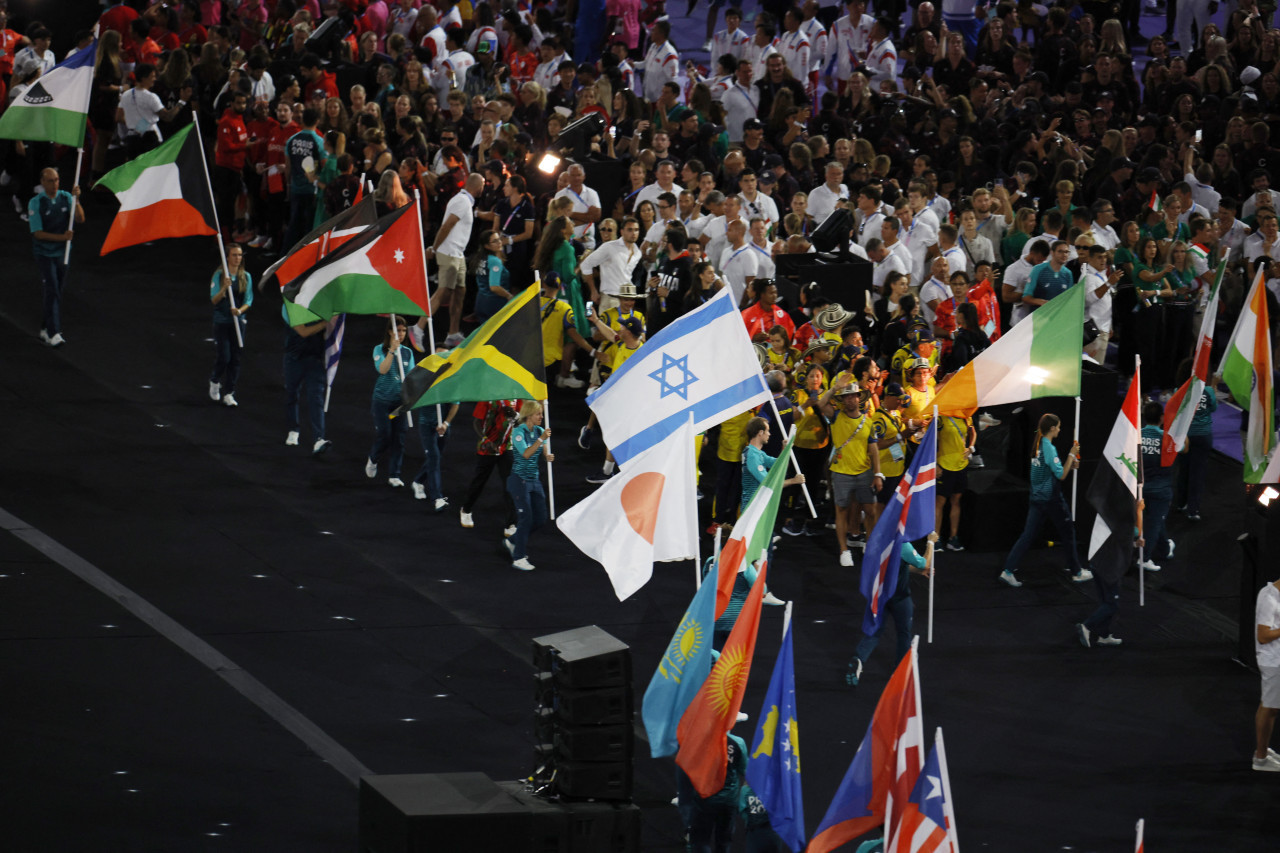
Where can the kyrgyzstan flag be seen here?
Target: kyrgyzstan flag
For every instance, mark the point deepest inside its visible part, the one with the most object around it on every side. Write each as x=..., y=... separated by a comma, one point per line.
x=648, y=513
x=162, y=193
x=381, y=271
x=704, y=728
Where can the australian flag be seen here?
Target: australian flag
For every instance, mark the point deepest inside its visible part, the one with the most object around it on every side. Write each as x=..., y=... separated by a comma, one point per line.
x=774, y=766
x=909, y=516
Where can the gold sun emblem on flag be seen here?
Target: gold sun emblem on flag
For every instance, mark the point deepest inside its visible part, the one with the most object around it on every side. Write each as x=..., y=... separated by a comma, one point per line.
x=686, y=643
x=727, y=678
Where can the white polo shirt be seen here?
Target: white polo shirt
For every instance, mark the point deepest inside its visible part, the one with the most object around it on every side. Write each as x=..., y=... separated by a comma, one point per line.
x=1096, y=308
x=616, y=262
x=582, y=202
x=1267, y=612
x=463, y=206
x=822, y=201
x=736, y=266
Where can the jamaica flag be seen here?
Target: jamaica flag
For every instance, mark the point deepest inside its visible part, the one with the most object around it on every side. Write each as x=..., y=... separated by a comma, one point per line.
x=501, y=360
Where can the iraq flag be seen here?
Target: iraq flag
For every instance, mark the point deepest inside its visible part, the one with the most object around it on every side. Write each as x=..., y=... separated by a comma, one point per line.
x=1114, y=491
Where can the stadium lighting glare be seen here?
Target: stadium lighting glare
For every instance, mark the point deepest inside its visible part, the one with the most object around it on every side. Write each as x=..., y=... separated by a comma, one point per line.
x=548, y=164
x=1268, y=495
x=1037, y=375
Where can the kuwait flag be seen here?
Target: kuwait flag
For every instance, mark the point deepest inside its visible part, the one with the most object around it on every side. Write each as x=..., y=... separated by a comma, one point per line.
x=381, y=271
x=647, y=513
x=162, y=194
x=1114, y=491
x=753, y=531
x=1039, y=357
x=1182, y=406
x=1246, y=368
x=322, y=241
x=703, y=730
x=55, y=107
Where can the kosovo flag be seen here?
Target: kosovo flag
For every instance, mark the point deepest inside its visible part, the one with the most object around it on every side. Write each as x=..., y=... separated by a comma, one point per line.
x=680, y=673
x=773, y=768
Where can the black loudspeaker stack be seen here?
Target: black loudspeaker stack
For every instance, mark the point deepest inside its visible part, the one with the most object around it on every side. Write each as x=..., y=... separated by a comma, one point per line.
x=583, y=710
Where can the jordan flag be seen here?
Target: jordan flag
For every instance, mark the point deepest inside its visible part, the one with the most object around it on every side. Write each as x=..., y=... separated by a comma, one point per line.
x=379, y=272
x=162, y=193
x=647, y=513
x=704, y=728
x=1114, y=491
x=324, y=240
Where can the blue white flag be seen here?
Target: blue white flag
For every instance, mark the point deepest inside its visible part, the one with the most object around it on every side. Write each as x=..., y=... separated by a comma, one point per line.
x=681, y=672
x=909, y=515
x=335, y=331
x=773, y=768
x=702, y=363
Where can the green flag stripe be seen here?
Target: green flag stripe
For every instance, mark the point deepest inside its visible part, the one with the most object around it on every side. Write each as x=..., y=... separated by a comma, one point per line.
x=1056, y=343
x=123, y=177
x=475, y=380
x=358, y=293
x=65, y=127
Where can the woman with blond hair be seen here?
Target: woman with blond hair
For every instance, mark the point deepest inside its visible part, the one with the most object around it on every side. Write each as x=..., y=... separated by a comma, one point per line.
x=524, y=484
x=390, y=195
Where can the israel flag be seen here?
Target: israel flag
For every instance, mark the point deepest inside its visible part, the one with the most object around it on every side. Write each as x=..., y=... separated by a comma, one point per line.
x=702, y=363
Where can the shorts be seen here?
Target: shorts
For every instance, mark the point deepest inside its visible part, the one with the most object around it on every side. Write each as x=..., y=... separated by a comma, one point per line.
x=858, y=487
x=952, y=482
x=607, y=302
x=453, y=272
x=1270, y=686
x=886, y=491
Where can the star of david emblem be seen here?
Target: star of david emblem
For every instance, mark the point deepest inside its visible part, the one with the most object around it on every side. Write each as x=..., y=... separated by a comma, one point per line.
x=399, y=256
x=685, y=378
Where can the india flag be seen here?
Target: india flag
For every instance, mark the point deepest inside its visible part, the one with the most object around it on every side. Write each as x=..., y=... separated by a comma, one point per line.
x=1039, y=357
x=162, y=193
x=55, y=107
x=1246, y=368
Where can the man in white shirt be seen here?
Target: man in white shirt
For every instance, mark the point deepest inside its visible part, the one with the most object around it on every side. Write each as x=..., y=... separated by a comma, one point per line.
x=665, y=182
x=715, y=236
x=1104, y=213
x=263, y=88
x=868, y=217
x=690, y=214
x=794, y=45
x=586, y=206
x=755, y=203
x=616, y=260
x=34, y=57
x=661, y=63
x=451, y=71
x=918, y=198
x=818, y=40
x=1260, y=181
x=433, y=41
x=547, y=74
x=882, y=58
x=1262, y=243
x=449, y=250
x=848, y=41
x=761, y=47
x=990, y=225
x=957, y=260
x=1098, y=289
x=935, y=291
x=739, y=263
x=1016, y=276
x=143, y=111
x=1182, y=190
x=652, y=241
x=731, y=40
x=757, y=231
x=822, y=200
x=1231, y=232
x=889, y=228
x=918, y=236
x=886, y=262
x=740, y=100
x=1267, y=647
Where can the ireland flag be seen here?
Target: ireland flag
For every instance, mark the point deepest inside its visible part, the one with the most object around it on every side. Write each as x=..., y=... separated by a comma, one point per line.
x=55, y=107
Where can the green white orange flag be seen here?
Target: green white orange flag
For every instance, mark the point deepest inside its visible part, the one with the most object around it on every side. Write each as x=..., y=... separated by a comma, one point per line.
x=55, y=107
x=1246, y=368
x=704, y=728
x=647, y=513
x=1039, y=357
x=380, y=271
x=162, y=193
x=1182, y=406
x=753, y=531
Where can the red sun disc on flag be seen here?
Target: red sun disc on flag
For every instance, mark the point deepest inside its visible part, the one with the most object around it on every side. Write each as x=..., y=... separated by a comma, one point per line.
x=640, y=498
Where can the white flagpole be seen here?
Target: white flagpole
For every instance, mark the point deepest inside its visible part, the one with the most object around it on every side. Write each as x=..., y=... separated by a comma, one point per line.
x=715, y=557
x=551, y=482
x=431, y=329
x=1075, y=476
x=786, y=619
x=400, y=370
x=222, y=251
x=328, y=385
x=933, y=550
x=949, y=805
x=75, y=202
x=1142, y=577
x=1137, y=844
x=795, y=466
x=693, y=487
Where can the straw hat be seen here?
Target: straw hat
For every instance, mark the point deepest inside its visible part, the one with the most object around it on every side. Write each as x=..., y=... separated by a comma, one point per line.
x=627, y=290
x=831, y=318
x=818, y=344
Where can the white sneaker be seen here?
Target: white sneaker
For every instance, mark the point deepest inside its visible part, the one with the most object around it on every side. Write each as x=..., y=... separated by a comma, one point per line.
x=419, y=492
x=1266, y=765
x=985, y=420
x=465, y=518
x=442, y=504
x=415, y=337
x=454, y=340
x=1109, y=640
x=522, y=564
x=321, y=445
x=229, y=400
x=509, y=532
x=569, y=382
x=57, y=340
x=291, y=439
x=846, y=558
x=215, y=391
x=1008, y=577
x=511, y=549
x=370, y=469
x=1170, y=543
x=395, y=482
x=1082, y=576
x=770, y=598
x=1150, y=566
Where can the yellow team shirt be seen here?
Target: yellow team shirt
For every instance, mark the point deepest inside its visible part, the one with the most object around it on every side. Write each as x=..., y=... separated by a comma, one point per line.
x=783, y=360
x=620, y=355
x=613, y=317
x=953, y=438
x=733, y=437
x=851, y=437
x=557, y=317
x=811, y=429
x=904, y=356
x=887, y=426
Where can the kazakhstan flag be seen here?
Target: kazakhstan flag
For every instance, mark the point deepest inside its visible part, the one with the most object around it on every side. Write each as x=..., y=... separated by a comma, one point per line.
x=684, y=667
x=774, y=766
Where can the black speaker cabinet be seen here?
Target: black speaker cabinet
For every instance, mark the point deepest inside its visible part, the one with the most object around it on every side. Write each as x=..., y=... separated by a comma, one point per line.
x=591, y=827
x=595, y=780
x=429, y=813
x=583, y=658
x=601, y=707
x=594, y=743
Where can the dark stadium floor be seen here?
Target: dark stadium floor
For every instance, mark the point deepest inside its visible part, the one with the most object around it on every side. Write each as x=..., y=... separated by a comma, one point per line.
x=326, y=604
